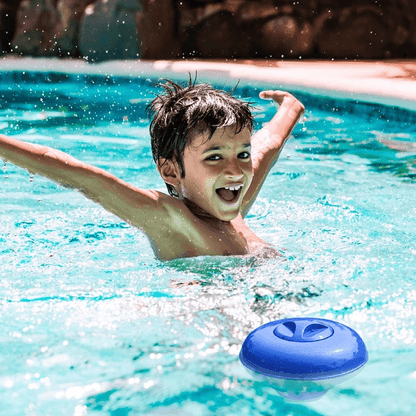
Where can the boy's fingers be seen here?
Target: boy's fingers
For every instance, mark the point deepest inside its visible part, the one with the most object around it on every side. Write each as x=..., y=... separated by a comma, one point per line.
x=274, y=95
x=267, y=94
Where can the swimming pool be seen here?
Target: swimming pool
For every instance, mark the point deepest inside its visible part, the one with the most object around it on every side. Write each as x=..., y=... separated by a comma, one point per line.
x=93, y=324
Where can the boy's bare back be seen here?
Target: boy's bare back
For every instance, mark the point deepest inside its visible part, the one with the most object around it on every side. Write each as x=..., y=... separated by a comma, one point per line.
x=213, y=176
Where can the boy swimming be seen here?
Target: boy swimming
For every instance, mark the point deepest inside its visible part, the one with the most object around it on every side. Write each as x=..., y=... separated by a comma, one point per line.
x=204, y=152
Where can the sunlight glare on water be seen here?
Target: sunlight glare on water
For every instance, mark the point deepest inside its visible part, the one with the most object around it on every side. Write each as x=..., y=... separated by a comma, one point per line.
x=93, y=324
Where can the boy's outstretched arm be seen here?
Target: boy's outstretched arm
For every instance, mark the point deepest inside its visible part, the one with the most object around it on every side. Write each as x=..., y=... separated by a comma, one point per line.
x=138, y=207
x=268, y=142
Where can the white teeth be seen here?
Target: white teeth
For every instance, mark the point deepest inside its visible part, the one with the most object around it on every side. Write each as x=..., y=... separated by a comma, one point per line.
x=233, y=188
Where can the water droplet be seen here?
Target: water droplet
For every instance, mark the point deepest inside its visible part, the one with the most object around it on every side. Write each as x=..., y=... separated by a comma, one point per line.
x=4, y=167
x=31, y=177
x=302, y=123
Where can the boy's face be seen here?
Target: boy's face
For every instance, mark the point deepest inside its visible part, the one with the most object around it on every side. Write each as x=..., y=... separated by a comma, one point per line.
x=213, y=165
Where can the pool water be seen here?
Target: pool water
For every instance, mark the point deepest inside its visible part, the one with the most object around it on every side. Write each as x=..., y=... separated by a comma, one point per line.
x=92, y=324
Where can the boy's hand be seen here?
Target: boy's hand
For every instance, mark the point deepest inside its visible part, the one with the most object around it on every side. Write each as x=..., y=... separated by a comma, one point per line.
x=289, y=113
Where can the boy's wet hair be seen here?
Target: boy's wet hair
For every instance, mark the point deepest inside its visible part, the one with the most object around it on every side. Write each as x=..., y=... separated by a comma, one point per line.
x=183, y=111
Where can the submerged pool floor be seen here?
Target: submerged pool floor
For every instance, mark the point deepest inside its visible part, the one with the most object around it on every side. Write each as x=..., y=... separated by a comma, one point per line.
x=92, y=324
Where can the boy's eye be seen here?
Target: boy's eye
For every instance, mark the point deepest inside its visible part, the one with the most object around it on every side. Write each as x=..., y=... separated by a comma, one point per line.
x=213, y=157
x=244, y=155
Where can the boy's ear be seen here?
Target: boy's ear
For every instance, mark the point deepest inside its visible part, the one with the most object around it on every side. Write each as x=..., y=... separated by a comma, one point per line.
x=169, y=171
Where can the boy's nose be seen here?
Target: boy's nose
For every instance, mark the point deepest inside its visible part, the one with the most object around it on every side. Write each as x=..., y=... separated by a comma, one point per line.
x=233, y=170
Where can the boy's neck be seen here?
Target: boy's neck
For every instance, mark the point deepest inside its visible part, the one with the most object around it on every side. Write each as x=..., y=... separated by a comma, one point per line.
x=202, y=214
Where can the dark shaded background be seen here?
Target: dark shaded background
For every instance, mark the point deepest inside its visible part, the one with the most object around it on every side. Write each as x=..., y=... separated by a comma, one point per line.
x=98, y=30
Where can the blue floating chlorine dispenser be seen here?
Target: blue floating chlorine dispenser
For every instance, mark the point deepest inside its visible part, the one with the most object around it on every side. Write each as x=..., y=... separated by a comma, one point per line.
x=302, y=358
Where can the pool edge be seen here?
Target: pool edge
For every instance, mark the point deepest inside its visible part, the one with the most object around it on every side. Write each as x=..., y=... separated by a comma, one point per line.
x=370, y=82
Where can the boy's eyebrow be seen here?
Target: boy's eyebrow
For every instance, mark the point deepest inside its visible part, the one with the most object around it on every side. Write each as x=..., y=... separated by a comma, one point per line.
x=245, y=145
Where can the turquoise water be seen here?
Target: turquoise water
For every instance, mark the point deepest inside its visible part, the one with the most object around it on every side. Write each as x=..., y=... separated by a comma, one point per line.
x=92, y=324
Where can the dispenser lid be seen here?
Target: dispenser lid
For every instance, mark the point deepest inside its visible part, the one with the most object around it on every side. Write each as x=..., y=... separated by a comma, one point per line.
x=303, y=349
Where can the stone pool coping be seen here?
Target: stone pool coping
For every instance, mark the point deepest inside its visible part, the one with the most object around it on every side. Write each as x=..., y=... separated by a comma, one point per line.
x=385, y=82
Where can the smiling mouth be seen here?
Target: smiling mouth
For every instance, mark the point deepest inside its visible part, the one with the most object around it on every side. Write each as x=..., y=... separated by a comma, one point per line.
x=228, y=196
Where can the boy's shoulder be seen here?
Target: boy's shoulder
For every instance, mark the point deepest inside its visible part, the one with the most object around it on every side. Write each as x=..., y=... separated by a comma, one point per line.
x=175, y=229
